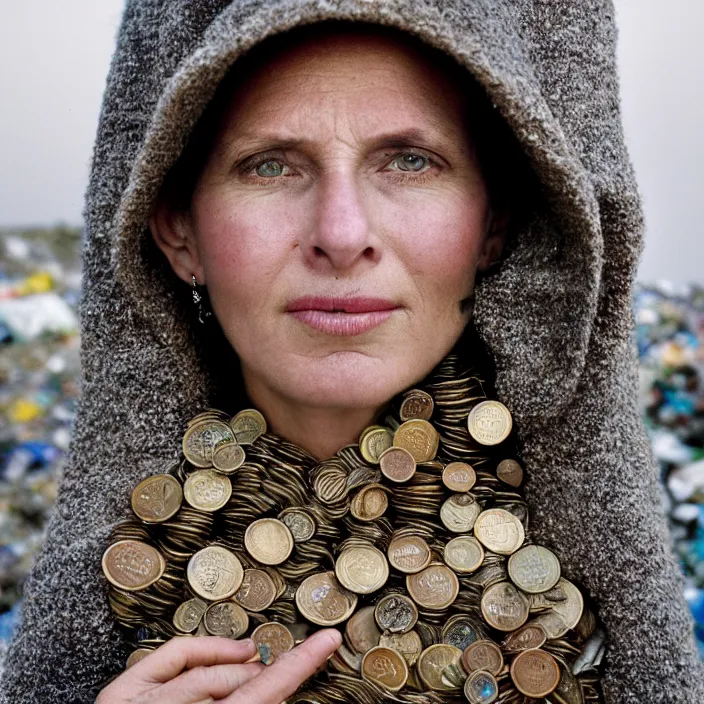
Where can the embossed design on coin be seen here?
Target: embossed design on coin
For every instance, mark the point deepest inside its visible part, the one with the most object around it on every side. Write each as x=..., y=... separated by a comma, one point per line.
x=510, y=472
x=461, y=631
x=464, y=554
x=416, y=404
x=268, y=541
x=436, y=587
x=370, y=502
x=459, y=513
x=132, y=565
x=272, y=639
x=419, y=438
x=396, y=613
x=481, y=687
x=459, y=477
x=228, y=457
x=362, y=569
x=299, y=522
x=483, y=655
x=530, y=636
x=257, y=592
x=489, y=423
x=535, y=673
x=499, y=531
x=214, y=573
x=374, y=442
x=188, y=615
x=361, y=630
x=407, y=644
x=409, y=554
x=433, y=661
x=504, y=607
x=207, y=490
x=534, y=569
x=324, y=601
x=397, y=464
x=201, y=439
x=226, y=619
x=386, y=667
x=248, y=426
x=157, y=498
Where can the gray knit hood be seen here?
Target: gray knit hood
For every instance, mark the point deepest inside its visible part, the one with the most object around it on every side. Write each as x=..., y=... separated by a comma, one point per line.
x=556, y=317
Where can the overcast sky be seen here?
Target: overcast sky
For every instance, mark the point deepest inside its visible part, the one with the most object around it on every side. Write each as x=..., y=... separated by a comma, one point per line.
x=55, y=57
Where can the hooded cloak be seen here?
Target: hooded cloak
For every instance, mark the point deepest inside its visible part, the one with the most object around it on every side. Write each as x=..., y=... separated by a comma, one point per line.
x=556, y=317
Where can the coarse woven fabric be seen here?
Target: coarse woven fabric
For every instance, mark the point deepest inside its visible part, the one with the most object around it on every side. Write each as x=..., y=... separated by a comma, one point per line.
x=556, y=316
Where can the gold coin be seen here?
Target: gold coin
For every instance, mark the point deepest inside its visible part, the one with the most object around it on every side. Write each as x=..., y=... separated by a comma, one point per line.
x=214, y=573
x=510, y=472
x=324, y=601
x=407, y=644
x=433, y=661
x=385, y=667
x=459, y=477
x=374, y=443
x=416, y=404
x=396, y=613
x=409, y=554
x=189, y=615
x=370, y=503
x=226, y=619
x=489, y=423
x=301, y=524
x=248, y=426
x=361, y=630
x=201, y=439
x=419, y=438
x=397, y=464
x=362, y=569
x=257, y=591
x=535, y=673
x=464, y=554
x=228, y=457
x=483, y=655
x=569, y=607
x=132, y=565
x=436, y=587
x=499, y=531
x=268, y=541
x=529, y=636
x=207, y=490
x=158, y=498
x=459, y=513
x=534, y=569
x=136, y=656
x=504, y=607
x=481, y=687
x=272, y=639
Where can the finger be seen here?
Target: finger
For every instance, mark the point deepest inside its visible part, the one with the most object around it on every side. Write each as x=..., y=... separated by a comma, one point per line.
x=203, y=683
x=181, y=653
x=289, y=670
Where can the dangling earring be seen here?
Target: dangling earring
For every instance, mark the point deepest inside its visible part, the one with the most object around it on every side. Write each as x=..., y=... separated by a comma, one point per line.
x=198, y=300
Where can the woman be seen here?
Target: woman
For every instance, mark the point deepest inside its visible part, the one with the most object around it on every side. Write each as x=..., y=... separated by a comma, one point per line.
x=339, y=207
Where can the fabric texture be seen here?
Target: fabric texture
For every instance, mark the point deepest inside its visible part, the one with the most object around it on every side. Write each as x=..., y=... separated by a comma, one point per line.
x=556, y=316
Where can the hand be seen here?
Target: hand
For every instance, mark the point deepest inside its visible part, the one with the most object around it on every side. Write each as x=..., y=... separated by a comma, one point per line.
x=207, y=669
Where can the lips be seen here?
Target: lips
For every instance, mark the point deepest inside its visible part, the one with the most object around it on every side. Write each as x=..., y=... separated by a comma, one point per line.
x=342, y=316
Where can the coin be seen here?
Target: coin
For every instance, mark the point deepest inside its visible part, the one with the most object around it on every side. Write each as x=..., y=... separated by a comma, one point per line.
x=461, y=631
x=416, y=404
x=529, y=636
x=499, y=531
x=397, y=464
x=268, y=541
x=481, y=687
x=464, y=554
x=436, y=587
x=361, y=630
x=157, y=498
x=226, y=619
x=459, y=513
x=214, y=573
x=396, y=613
x=459, y=477
x=362, y=569
x=418, y=437
x=510, y=472
x=535, y=673
x=569, y=608
x=409, y=554
x=228, y=457
x=504, y=607
x=299, y=522
x=324, y=601
x=489, y=423
x=408, y=644
x=433, y=661
x=188, y=615
x=257, y=591
x=272, y=639
x=374, y=443
x=132, y=565
x=136, y=656
x=551, y=623
x=385, y=667
x=534, y=569
x=207, y=490
x=248, y=426
x=201, y=439
x=370, y=503
x=483, y=655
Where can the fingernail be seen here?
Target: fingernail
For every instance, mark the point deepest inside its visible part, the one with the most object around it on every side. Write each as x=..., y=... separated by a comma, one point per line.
x=248, y=642
x=331, y=635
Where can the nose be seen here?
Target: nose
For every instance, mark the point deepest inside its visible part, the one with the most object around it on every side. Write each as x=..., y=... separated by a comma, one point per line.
x=341, y=237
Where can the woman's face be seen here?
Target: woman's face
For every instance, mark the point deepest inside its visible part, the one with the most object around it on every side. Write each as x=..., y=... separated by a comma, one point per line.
x=339, y=223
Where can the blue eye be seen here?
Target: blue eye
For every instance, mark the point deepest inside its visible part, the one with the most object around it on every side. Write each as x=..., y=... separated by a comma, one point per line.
x=270, y=169
x=411, y=162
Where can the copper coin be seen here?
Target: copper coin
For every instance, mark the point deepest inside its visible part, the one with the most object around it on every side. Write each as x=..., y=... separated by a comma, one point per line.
x=529, y=636
x=409, y=554
x=459, y=513
x=228, y=457
x=385, y=667
x=408, y=644
x=207, y=490
x=481, y=687
x=396, y=613
x=416, y=404
x=374, y=443
x=504, y=607
x=226, y=619
x=248, y=426
x=136, y=656
x=370, y=503
x=268, y=541
x=534, y=569
x=499, y=531
x=257, y=591
x=201, y=439
x=301, y=524
x=483, y=655
x=464, y=554
x=132, y=565
x=214, y=573
x=459, y=477
x=510, y=472
x=418, y=437
x=324, y=601
x=433, y=661
x=361, y=630
x=362, y=569
x=188, y=615
x=272, y=639
x=436, y=587
x=397, y=464
x=489, y=423
x=535, y=673
x=158, y=498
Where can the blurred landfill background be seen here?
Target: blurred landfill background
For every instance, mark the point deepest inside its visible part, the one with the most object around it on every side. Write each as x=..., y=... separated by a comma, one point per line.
x=39, y=363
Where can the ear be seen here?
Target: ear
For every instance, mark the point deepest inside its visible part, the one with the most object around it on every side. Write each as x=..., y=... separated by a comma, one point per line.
x=174, y=234
x=494, y=240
